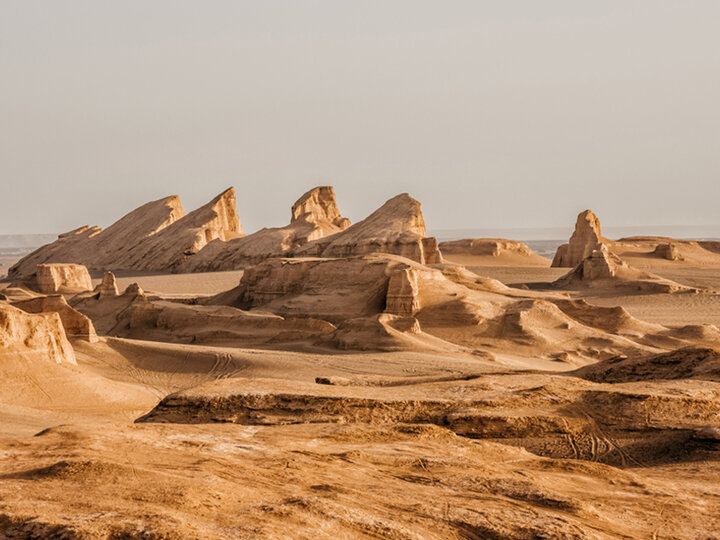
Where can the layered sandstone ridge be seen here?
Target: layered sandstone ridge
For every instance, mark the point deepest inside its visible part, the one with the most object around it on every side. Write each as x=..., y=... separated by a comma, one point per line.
x=156, y=236
x=99, y=249
x=397, y=227
x=159, y=237
x=314, y=215
x=29, y=337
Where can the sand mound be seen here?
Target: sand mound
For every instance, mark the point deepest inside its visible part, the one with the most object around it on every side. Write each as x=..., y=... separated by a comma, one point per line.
x=32, y=338
x=156, y=236
x=615, y=319
x=314, y=215
x=397, y=227
x=691, y=362
x=603, y=269
x=586, y=238
x=384, y=332
x=173, y=245
x=491, y=252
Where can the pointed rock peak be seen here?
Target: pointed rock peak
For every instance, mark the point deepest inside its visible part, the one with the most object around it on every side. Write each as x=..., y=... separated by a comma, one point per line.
x=586, y=238
x=108, y=287
x=319, y=206
x=134, y=290
x=403, y=212
x=219, y=217
x=588, y=226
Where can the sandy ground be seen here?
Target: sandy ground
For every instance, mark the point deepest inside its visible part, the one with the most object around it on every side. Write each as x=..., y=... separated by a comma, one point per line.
x=204, y=283
x=167, y=440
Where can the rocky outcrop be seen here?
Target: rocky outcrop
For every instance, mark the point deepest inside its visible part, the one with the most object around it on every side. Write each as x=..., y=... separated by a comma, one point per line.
x=318, y=212
x=668, y=252
x=397, y=227
x=30, y=337
x=603, y=269
x=99, y=249
x=314, y=215
x=491, y=251
x=108, y=287
x=687, y=363
x=402, y=297
x=586, y=238
x=158, y=236
x=134, y=290
x=217, y=220
x=54, y=278
x=75, y=324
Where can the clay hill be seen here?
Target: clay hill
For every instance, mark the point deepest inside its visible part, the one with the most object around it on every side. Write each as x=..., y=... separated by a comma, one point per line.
x=639, y=251
x=491, y=252
x=156, y=236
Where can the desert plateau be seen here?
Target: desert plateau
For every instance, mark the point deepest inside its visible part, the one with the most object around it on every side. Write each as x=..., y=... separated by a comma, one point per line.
x=173, y=377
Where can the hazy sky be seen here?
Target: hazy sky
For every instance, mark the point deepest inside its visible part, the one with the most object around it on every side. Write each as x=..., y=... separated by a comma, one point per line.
x=491, y=113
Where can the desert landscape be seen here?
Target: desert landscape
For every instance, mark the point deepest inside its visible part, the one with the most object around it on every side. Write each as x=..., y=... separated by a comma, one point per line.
x=339, y=270
x=172, y=377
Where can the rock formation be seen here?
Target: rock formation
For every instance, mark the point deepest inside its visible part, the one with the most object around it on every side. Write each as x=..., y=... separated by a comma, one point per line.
x=166, y=250
x=454, y=308
x=491, y=251
x=402, y=297
x=603, y=269
x=315, y=215
x=29, y=337
x=586, y=238
x=108, y=287
x=75, y=324
x=134, y=290
x=99, y=249
x=397, y=227
x=54, y=278
x=157, y=236
x=318, y=213
x=668, y=251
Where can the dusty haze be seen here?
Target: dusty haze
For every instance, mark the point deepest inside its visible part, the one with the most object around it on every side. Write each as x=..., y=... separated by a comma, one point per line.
x=480, y=109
